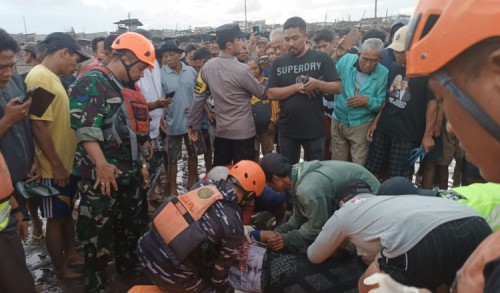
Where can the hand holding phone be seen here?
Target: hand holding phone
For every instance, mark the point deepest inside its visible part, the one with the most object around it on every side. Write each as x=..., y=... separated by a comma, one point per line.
x=15, y=111
x=264, y=58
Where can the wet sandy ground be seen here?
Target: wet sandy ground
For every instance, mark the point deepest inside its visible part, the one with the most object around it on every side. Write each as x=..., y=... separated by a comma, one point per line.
x=41, y=267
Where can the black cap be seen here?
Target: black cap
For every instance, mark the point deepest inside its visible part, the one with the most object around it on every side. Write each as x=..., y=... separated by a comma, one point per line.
x=401, y=186
x=275, y=164
x=169, y=45
x=353, y=187
x=229, y=31
x=60, y=40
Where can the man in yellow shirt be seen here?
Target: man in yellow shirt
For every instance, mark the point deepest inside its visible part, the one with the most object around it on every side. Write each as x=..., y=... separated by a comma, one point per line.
x=55, y=148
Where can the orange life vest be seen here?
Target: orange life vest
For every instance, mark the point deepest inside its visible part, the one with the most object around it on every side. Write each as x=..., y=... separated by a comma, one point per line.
x=177, y=221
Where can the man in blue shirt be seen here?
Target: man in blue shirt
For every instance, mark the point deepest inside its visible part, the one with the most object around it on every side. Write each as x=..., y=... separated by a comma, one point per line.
x=364, y=84
x=179, y=78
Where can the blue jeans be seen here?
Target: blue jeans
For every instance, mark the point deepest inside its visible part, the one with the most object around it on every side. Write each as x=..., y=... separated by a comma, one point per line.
x=313, y=148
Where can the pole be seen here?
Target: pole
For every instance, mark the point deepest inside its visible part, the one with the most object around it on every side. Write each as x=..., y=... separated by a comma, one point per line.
x=129, y=21
x=25, y=30
x=375, y=9
x=246, y=23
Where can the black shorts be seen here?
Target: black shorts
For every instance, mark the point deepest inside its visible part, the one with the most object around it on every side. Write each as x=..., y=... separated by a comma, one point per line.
x=436, y=258
x=387, y=153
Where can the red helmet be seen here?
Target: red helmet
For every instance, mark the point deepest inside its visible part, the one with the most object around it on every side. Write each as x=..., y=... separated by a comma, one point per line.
x=440, y=30
x=250, y=176
x=142, y=48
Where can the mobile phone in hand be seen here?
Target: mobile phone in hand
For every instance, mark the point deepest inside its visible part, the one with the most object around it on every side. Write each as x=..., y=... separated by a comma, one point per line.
x=23, y=98
x=304, y=79
x=264, y=59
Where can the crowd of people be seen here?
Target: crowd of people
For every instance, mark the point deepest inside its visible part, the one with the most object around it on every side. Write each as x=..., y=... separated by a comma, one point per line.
x=320, y=131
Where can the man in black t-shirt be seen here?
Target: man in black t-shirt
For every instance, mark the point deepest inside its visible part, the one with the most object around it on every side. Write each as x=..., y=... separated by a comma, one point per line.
x=298, y=80
x=406, y=120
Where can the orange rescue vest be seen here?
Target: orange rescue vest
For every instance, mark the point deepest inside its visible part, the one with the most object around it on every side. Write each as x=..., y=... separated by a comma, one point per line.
x=177, y=221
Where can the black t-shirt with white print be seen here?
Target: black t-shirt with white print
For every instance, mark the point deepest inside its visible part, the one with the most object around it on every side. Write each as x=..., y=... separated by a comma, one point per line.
x=404, y=114
x=301, y=117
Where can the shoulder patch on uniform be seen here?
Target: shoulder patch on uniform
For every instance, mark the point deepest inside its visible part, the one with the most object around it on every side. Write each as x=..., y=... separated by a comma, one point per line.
x=200, y=87
x=82, y=98
x=205, y=193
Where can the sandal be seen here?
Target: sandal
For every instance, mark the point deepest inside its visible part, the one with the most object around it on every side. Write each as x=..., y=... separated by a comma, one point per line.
x=35, y=240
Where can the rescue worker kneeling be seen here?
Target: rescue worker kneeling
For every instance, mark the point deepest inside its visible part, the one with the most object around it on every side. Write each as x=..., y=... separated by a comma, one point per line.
x=195, y=237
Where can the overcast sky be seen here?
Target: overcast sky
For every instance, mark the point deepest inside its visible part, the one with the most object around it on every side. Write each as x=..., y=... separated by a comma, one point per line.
x=45, y=16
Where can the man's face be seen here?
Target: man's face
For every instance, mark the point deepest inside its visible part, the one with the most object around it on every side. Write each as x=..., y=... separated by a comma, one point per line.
x=198, y=64
x=254, y=68
x=243, y=52
x=481, y=148
x=171, y=59
x=100, y=54
x=189, y=58
x=280, y=184
x=260, y=49
x=137, y=71
x=404, y=85
x=236, y=47
x=7, y=66
x=279, y=45
x=26, y=56
x=325, y=46
x=271, y=53
x=368, y=60
x=214, y=49
x=400, y=57
x=70, y=62
x=295, y=40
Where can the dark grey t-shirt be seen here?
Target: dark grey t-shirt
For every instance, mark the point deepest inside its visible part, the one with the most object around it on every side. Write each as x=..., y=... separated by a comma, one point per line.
x=301, y=117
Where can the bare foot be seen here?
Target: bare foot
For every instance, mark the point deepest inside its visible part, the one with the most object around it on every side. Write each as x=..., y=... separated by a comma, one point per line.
x=75, y=260
x=67, y=274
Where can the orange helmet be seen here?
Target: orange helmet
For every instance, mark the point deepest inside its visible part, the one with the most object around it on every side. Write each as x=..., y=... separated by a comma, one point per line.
x=142, y=48
x=442, y=29
x=250, y=176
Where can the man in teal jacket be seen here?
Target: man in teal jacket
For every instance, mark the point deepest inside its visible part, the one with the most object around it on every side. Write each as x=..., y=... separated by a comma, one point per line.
x=314, y=186
x=364, y=86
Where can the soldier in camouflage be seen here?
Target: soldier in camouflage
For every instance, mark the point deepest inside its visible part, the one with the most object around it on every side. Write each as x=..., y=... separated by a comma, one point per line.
x=111, y=211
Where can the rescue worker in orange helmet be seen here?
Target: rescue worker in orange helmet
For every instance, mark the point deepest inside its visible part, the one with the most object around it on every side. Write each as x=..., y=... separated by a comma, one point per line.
x=465, y=76
x=111, y=122
x=195, y=237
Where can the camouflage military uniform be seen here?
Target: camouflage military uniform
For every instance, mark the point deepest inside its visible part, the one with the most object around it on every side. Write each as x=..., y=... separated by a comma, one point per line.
x=104, y=220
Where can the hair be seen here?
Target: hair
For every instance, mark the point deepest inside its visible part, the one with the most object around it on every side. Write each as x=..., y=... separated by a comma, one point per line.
x=323, y=35
x=374, y=34
x=276, y=32
x=108, y=41
x=7, y=42
x=373, y=44
x=202, y=54
x=191, y=47
x=254, y=60
x=94, y=43
x=41, y=51
x=270, y=47
x=224, y=39
x=295, y=22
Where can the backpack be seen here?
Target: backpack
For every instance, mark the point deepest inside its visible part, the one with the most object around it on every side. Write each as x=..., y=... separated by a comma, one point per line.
x=130, y=123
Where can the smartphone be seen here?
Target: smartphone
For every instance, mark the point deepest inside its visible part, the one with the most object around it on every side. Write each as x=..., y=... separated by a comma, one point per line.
x=256, y=29
x=304, y=79
x=205, y=38
x=264, y=59
x=169, y=95
x=23, y=98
